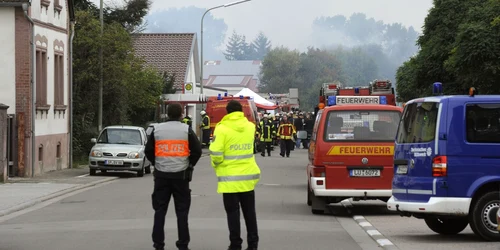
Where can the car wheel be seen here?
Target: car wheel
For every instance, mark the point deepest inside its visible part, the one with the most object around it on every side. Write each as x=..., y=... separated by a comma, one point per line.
x=446, y=226
x=482, y=217
x=140, y=173
x=92, y=172
x=148, y=169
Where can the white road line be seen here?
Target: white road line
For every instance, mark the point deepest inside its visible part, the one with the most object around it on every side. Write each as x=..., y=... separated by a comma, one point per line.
x=365, y=224
x=384, y=242
x=82, y=176
x=357, y=217
x=373, y=232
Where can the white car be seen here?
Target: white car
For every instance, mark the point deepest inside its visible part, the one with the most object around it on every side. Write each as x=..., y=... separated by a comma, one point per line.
x=120, y=148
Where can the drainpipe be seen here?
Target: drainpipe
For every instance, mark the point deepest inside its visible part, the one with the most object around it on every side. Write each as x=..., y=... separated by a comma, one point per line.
x=71, y=91
x=33, y=89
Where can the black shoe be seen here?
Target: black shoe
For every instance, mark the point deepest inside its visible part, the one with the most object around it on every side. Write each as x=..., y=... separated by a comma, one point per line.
x=232, y=248
x=282, y=155
x=269, y=154
x=288, y=156
x=263, y=155
x=251, y=248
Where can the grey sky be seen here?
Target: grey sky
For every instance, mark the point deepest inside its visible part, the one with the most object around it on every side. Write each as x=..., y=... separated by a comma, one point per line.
x=286, y=21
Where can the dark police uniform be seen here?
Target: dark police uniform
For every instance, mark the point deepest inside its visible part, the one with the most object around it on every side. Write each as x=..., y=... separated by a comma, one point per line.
x=174, y=150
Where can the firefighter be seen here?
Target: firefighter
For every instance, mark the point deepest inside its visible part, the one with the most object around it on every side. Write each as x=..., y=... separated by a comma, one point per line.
x=205, y=129
x=286, y=132
x=173, y=172
x=187, y=120
x=266, y=134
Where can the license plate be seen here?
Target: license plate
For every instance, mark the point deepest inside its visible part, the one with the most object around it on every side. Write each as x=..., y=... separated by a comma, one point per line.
x=113, y=162
x=402, y=169
x=365, y=172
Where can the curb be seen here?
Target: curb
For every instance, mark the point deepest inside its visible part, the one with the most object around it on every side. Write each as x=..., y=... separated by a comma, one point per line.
x=381, y=240
x=36, y=201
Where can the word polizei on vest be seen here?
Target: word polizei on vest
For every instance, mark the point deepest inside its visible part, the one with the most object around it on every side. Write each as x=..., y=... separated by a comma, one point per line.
x=243, y=146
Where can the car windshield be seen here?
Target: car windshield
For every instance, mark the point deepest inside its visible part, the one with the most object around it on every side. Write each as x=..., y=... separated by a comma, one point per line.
x=418, y=123
x=361, y=125
x=120, y=136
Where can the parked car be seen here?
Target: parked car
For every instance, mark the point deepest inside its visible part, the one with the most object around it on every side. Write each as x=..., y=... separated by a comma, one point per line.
x=120, y=148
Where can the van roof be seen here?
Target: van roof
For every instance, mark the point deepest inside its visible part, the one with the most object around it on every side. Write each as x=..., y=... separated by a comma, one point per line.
x=362, y=107
x=460, y=98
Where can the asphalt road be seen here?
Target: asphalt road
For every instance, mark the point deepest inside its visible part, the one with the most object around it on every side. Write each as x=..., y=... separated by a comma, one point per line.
x=118, y=215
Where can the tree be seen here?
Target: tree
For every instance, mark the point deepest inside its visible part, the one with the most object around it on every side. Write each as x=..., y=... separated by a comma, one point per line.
x=131, y=88
x=236, y=48
x=280, y=70
x=186, y=20
x=460, y=47
x=260, y=46
x=168, y=83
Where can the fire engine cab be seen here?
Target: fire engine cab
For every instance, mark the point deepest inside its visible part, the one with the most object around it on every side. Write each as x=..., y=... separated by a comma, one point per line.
x=352, y=145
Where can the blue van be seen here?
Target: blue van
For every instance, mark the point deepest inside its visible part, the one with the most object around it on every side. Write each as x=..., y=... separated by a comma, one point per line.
x=447, y=163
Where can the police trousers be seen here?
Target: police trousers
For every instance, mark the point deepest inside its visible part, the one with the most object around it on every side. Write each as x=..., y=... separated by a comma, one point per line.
x=232, y=202
x=163, y=190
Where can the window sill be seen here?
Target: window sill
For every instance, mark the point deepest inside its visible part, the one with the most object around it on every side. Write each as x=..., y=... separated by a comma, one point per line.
x=43, y=108
x=45, y=3
x=58, y=8
x=60, y=107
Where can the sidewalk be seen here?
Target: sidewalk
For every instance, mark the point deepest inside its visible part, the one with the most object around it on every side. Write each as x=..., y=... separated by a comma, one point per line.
x=21, y=193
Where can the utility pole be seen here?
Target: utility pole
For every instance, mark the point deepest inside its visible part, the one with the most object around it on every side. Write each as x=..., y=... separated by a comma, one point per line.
x=101, y=62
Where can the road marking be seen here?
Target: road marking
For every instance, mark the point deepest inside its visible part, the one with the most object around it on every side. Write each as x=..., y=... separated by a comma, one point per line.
x=270, y=184
x=82, y=176
x=376, y=235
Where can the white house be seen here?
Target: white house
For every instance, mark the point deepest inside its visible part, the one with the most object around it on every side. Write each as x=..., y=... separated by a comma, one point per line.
x=47, y=23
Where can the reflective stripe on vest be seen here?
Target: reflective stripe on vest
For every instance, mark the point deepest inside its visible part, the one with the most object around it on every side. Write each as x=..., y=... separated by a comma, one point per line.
x=239, y=178
x=171, y=146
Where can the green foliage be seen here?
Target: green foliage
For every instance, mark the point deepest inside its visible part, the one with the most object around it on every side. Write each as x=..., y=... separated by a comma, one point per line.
x=130, y=88
x=283, y=69
x=460, y=47
x=237, y=47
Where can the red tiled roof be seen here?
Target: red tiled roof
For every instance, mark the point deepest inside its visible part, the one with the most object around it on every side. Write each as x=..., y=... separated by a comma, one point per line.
x=166, y=52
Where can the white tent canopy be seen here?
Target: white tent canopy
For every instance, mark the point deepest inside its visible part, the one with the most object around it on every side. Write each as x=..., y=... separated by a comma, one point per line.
x=256, y=98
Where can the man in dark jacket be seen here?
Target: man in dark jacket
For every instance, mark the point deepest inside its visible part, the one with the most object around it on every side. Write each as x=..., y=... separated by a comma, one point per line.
x=299, y=126
x=174, y=150
x=308, y=127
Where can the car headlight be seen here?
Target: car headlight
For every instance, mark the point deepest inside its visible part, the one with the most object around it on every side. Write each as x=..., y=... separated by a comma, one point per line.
x=133, y=155
x=96, y=153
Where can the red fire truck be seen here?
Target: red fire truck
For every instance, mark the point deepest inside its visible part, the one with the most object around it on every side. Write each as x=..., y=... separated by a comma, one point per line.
x=352, y=145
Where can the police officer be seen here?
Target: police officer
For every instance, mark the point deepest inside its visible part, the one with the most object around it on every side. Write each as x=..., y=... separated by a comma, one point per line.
x=174, y=150
x=232, y=157
x=187, y=120
x=205, y=129
x=266, y=134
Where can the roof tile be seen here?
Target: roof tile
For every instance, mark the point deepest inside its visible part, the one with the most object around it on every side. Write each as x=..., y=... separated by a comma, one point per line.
x=167, y=52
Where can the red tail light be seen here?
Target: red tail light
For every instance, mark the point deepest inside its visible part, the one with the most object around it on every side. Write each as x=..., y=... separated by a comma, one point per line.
x=439, y=166
x=319, y=172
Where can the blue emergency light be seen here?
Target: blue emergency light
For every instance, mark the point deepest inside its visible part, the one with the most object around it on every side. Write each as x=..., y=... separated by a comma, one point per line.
x=225, y=94
x=383, y=100
x=219, y=97
x=437, y=88
x=241, y=97
x=331, y=101
x=356, y=90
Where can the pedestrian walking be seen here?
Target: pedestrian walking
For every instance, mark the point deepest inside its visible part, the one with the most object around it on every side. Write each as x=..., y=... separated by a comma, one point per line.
x=266, y=134
x=232, y=156
x=205, y=129
x=174, y=149
x=286, y=132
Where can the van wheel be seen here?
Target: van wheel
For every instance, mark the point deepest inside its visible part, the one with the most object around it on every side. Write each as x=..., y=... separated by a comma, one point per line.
x=446, y=226
x=482, y=216
x=318, y=204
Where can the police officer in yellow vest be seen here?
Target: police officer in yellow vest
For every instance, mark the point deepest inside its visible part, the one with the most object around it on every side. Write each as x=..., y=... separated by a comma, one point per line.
x=232, y=157
x=174, y=149
x=205, y=129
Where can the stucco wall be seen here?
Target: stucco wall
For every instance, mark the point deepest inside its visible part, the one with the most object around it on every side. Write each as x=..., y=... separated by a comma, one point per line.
x=8, y=58
x=53, y=122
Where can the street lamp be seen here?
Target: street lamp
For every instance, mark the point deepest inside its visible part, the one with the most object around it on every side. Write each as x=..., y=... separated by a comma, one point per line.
x=216, y=7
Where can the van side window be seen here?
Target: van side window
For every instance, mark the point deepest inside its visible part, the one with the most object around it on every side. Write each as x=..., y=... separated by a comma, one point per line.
x=418, y=123
x=316, y=125
x=482, y=123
